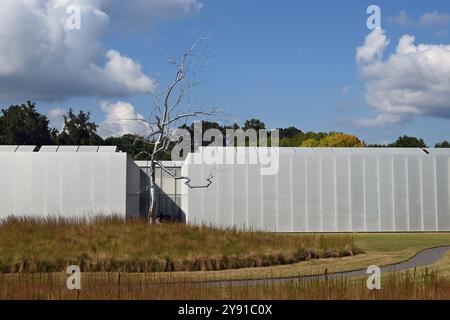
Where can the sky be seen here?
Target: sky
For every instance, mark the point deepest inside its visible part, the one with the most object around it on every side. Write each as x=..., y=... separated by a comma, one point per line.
x=314, y=65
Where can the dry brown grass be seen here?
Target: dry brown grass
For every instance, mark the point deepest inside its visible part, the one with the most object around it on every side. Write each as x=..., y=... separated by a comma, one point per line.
x=114, y=245
x=409, y=285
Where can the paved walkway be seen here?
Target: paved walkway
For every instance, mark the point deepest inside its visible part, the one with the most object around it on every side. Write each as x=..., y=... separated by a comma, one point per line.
x=423, y=258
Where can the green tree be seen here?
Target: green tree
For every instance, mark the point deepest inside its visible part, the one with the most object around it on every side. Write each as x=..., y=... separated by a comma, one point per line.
x=408, y=142
x=312, y=143
x=79, y=130
x=443, y=144
x=341, y=140
x=206, y=125
x=136, y=147
x=254, y=124
x=23, y=125
x=289, y=133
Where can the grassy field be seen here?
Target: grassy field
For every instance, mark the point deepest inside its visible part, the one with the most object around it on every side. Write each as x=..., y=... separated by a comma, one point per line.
x=101, y=286
x=442, y=266
x=132, y=260
x=113, y=245
x=379, y=249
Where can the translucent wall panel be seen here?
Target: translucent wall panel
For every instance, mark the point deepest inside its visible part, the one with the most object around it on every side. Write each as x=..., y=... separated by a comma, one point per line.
x=102, y=190
x=299, y=194
x=415, y=194
x=195, y=200
x=8, y=148
x=137, y=187
x=270, y=202
x=116, y=177
x=343, y=193
x=401, y=194
x=66, y=184
x=212, y=212
x=314, y=193
x=167, y=181
x=239, y=198
x=224, y=179
x=328, y=177
x=326, y=190
x=85, y=185
x=53, y=185
x=284, y=192
x=429, y=195
x=22, y=199
x=372, y=191
x=358, y=200
x=442, y=195
x=8, y=183
x=387, y=201
x=69, y=185
x=255, y=212
x=39, y=182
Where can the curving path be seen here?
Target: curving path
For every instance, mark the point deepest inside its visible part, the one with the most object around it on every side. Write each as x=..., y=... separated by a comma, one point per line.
x=423, y=258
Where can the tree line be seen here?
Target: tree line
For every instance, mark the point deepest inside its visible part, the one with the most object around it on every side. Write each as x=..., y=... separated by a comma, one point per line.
x=24, y=125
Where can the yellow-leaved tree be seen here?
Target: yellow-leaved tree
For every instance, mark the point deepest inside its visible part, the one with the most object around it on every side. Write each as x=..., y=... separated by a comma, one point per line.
x=335, y=140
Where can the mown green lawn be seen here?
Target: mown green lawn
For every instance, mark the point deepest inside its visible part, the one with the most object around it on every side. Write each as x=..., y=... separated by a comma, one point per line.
x=380, y=249
x=389, y=242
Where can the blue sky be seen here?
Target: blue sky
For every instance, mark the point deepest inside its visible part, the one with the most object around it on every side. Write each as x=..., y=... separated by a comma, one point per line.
x=289, y=63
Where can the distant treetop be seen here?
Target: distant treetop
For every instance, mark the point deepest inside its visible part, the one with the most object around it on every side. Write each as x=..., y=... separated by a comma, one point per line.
x=23, y=125
x=443, y=144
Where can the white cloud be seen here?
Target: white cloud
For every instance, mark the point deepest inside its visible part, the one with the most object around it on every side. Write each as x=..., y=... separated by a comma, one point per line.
x=121, y=118
x=56, y=117
x=145, y=12
x=127, y=73
x=373, y=47
x=382, y=119
x=403, y=19
x=426, y=20
x=41, y=60
x=434, y=19
x=412, y=81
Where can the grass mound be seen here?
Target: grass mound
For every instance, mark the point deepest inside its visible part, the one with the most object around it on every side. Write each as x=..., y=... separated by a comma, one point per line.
x=115, y=245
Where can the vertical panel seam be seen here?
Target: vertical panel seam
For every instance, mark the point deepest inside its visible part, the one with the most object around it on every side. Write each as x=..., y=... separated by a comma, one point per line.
x=291, y=174
x=408, y=220
x=393, y=195
x=349, y=163
x=435, y=193
x=365, y=193
x=421, y=193
x=307, y=194
x=218, y=208
x=335, y=195
x=277, y=176
x=262, y=199
x=247, y=169
x=321, y=192
x=448, y=188
x=379, y=192
x=232, y=194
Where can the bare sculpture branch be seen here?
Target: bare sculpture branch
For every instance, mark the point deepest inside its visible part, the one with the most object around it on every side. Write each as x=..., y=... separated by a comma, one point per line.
x=187, y=179
x=165, y=116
